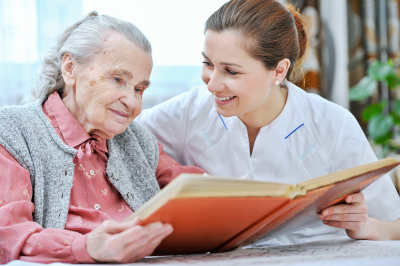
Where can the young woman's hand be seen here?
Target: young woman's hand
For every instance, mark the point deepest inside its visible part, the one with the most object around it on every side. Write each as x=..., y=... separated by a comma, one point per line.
x=125, y=242
x=352, y=216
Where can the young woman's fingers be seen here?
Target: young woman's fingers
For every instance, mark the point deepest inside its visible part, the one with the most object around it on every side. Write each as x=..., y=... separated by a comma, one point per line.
x=356, y=198
x=352, y=226
x=344, y=208
x=346, y=217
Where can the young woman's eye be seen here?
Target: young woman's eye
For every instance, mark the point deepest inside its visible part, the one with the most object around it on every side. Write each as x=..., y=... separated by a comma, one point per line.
x=230, y=72
x=207, y=63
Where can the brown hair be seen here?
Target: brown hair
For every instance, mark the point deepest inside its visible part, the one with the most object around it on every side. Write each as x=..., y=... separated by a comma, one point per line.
x=270, y=32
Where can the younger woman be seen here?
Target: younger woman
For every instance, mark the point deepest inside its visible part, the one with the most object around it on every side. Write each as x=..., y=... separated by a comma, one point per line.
x=251, y=118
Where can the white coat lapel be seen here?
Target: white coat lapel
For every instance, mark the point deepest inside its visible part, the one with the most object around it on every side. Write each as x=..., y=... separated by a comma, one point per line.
x=221, y=147
x=280, y=148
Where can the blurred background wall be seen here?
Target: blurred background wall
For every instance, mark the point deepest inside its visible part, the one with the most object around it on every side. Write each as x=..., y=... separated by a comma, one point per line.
x=346, y=36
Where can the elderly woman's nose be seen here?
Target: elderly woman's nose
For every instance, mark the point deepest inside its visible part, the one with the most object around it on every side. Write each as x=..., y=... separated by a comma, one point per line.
x=131, y=100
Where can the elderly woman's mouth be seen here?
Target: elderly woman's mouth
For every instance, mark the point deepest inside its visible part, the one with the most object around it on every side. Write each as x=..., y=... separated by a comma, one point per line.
x=120, y=113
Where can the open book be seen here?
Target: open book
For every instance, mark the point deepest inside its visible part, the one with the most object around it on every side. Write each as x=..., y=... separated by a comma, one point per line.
x=214, y=214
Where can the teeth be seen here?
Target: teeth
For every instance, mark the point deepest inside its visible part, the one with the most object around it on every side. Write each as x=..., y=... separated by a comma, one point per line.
x=224, y=98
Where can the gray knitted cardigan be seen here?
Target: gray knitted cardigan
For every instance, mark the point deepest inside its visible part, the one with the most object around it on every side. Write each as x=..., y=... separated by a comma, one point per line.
x=28, y=136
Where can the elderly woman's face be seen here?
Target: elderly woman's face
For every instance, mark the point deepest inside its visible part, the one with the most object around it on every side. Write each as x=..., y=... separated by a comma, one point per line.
x=108, y=91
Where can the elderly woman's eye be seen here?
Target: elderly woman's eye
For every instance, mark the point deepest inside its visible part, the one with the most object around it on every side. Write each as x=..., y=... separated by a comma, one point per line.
x=118, y=80
x=139, y=90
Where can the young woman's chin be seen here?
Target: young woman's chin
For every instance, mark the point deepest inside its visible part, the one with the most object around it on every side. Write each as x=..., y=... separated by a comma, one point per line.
x=225, y=112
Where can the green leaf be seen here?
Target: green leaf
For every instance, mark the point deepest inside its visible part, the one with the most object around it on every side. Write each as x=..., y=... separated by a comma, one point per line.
x=396, y=107
x=384, y=139
x=379, y=71
x=396, y=118
x=379, y=126
x=363, y=89
x=392, y=81
x=371, y=110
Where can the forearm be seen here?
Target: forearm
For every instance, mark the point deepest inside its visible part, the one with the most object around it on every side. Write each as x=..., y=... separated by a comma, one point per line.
x=380, y=230
x=56, y=245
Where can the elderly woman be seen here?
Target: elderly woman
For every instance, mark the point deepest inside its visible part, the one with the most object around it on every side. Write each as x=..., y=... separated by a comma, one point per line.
x=73, y=164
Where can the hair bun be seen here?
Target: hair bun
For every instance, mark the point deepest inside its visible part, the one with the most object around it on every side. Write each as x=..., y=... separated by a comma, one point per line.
x=301, y=29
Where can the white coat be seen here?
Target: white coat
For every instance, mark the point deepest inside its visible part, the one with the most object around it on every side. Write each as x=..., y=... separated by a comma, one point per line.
x=310, y=137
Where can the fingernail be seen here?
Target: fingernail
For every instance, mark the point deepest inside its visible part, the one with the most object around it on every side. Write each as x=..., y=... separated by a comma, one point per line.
x=325, y=222
x=157, y=225
x=349, y=199
x=168, y=228
x=325, y=213
x=135, y=221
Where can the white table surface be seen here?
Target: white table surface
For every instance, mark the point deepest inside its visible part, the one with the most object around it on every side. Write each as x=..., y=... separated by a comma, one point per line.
x=341, y=252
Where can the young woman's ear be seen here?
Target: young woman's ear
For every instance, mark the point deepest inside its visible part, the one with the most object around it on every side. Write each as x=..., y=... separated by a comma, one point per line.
x=68, y=69
x=281, y=69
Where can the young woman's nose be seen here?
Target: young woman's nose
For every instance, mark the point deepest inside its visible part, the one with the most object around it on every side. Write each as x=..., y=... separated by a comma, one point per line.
x=213, y=81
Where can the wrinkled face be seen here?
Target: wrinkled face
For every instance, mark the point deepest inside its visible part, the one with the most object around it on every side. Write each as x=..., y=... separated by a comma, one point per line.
x=109, y=90
x=240, y=84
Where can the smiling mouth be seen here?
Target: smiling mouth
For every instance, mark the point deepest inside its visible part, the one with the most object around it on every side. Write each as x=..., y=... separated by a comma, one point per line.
x=120, y=113
x=225, y=98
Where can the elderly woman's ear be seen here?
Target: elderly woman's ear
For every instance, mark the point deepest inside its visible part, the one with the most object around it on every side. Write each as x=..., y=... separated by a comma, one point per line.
x=68, y=70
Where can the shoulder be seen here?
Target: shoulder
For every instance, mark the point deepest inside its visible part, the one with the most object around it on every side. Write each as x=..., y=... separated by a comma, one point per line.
x=191, y=108
x=14, y=114
x=328, y=124
x=317, y=111
x=142, y=134
x=19, y=120
x=145, y=139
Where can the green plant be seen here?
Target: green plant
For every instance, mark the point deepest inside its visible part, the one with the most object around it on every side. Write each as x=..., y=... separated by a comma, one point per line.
x=383, y=117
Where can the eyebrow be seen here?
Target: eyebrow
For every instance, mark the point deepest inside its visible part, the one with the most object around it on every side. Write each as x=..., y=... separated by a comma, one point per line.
x=144, y=82
x=222, y=63
x=130, y=75
x=123, y=72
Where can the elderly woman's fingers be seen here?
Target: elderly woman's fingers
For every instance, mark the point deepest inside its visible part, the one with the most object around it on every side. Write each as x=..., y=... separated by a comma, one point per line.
x=138, y=236
x=132, y=244
x=146, y=246
x=113, y=227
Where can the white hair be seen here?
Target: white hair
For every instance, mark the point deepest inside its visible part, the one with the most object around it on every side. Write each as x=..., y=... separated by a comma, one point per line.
x=82, y=40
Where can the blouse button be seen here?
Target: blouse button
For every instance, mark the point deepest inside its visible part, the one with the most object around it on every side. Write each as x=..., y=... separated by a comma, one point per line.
x=129, y=196
x=115, y=176
x=97, y=206
x=91, y=172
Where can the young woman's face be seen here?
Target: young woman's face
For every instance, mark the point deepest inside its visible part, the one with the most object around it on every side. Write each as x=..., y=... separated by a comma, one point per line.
x=240, y=84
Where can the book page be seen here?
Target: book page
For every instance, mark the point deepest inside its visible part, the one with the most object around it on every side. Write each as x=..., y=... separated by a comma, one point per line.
x=346, y=174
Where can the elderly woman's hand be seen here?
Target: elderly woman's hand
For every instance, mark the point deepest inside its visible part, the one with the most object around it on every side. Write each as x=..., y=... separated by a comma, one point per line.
x=352, y=216
x=125, y=242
